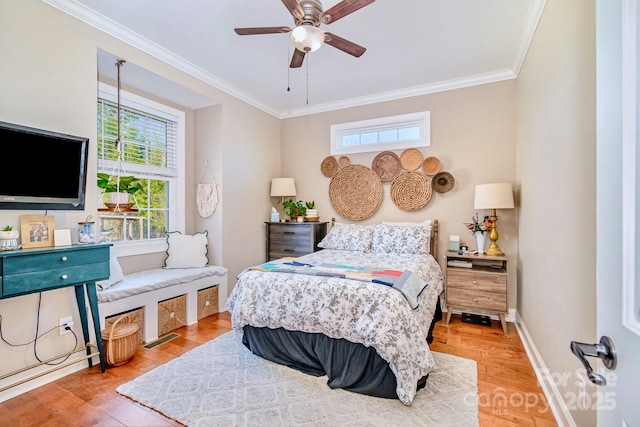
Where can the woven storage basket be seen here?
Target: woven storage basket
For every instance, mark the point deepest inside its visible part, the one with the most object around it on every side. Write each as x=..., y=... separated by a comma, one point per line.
x=411, y=191
x=120, y=341
x=172, y=314
x=207, y=302
x=136, y=316
x=355, y=192
x=411, y=159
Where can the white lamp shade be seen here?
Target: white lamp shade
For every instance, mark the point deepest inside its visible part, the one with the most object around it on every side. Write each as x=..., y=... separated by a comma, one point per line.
x=307, y=38
x=494, y=196
x=283, y=187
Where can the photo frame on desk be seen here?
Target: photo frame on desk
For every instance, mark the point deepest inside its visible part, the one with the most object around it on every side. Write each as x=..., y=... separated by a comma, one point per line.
x=37, y=230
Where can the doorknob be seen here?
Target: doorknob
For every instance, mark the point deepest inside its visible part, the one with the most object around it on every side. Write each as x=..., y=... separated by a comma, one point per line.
x=605, y=351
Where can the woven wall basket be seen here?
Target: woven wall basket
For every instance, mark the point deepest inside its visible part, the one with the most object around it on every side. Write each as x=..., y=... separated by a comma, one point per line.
x=355, y=192
x=329, y=166
x=411, y=159
x=387, y=165
x=411, y=191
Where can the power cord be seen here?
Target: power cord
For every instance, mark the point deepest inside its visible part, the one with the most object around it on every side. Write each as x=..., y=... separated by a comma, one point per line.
x=35, y=340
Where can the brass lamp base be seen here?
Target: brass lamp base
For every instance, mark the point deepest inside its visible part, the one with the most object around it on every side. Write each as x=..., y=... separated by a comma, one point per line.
x=494, y=250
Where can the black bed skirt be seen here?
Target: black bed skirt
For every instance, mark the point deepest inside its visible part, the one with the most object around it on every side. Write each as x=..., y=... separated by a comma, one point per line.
x=347, y=365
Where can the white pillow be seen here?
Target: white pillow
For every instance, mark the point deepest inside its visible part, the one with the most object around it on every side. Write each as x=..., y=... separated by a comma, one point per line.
x=185, y=251
x=115, y=272
x=426, y=223
x=401, y=239
x=348, y=237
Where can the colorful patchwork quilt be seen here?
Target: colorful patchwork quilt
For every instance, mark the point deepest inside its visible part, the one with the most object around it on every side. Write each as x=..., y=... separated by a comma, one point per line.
x=405, y=281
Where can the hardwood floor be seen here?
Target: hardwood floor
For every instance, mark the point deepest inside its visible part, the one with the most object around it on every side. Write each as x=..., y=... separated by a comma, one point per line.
x=509, y=394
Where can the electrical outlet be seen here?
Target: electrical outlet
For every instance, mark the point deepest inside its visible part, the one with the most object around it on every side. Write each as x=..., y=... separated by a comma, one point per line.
x=65, y=321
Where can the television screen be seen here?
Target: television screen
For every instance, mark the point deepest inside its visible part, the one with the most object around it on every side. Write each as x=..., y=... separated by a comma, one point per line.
x=42, y=169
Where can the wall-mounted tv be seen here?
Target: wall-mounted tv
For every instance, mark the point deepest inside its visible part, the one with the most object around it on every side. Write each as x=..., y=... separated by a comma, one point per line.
x=41, y=169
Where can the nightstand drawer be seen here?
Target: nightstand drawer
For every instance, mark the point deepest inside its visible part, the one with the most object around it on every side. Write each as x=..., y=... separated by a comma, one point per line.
x=293, y=231
x=477, y=299
x=293, y=239
x=477, y=281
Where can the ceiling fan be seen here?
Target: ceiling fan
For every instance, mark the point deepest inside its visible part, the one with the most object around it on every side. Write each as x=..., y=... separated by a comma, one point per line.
x=307, y=36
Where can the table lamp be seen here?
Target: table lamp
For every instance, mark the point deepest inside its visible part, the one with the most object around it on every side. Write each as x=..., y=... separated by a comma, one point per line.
x=283, y=187
x=494, y=196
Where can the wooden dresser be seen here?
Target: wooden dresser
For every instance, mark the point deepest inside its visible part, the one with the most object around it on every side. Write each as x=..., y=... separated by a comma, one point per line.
x=292, y=239
x=478, y=286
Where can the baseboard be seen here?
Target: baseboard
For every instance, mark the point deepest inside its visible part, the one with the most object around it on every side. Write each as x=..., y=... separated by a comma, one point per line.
x=549, y=388
x=40, y=381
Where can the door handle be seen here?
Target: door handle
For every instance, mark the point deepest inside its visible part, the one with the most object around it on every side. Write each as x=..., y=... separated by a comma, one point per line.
x=605, y=351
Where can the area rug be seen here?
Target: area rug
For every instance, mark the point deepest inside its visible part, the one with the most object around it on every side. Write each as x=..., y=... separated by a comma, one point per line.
x=221, y=383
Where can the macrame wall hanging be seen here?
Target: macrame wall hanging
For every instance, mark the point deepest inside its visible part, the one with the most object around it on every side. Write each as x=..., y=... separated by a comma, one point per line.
x=206, y=195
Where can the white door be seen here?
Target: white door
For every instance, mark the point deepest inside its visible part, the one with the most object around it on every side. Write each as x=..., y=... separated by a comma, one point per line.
x=618, y=208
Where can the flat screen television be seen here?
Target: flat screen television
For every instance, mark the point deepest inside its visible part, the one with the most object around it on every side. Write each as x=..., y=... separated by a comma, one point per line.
x=41, y=169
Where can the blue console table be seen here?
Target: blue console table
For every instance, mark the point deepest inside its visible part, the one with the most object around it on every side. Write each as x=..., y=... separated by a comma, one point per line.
x=29, y=271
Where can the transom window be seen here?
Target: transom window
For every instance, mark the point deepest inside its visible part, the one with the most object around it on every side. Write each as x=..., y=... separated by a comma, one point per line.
x=149, y=143
x=386, y=133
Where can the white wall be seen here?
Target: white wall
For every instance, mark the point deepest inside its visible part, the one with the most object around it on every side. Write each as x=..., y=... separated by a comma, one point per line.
x=556, y=170
x=48, y=79
x=472, y=133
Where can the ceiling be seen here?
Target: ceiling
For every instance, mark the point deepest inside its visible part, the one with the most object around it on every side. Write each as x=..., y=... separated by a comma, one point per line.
x=414, y=47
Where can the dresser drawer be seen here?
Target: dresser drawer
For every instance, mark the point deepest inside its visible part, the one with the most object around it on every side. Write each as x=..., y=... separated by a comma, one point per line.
x=293, y=239
x=35, y=281
x=47, y=261
x=477, y=281
x=477, y=299
x=290, y=231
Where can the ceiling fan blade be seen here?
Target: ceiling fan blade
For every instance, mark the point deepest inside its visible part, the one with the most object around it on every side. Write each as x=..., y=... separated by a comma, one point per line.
x=342, y=9
x=344, y=45
x=297, y=59
x=261, y=30
x=294, y=8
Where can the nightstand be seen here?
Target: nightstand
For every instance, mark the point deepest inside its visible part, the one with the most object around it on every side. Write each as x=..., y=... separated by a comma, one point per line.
x=477, y=283
x=292, y=239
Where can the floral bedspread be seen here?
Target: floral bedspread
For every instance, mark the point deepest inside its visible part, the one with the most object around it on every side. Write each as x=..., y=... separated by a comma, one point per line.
x=361, y=312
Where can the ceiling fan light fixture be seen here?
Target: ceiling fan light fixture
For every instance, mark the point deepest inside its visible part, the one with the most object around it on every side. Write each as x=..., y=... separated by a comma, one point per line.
x=307, y=38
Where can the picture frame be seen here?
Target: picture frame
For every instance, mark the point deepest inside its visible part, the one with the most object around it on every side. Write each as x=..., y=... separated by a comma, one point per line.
x=37, y=230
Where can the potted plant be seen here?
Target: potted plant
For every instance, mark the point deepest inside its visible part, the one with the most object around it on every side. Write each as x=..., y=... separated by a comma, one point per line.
x=311, y=211
x=294, y=209
x=8, y=233
x=119, y=187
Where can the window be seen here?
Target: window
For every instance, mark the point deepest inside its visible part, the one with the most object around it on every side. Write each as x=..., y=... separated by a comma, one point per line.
x=387, y=133
x=151, y=141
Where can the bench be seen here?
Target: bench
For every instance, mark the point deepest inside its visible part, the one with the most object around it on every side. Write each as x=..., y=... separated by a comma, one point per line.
x=146, y=289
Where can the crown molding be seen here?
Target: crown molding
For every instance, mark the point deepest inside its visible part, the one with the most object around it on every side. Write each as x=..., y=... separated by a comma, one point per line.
x=108, y=26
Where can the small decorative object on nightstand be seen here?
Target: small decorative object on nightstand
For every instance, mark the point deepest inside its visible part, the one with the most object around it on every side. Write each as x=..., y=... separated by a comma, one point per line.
x=293, y=239
x=477, y=283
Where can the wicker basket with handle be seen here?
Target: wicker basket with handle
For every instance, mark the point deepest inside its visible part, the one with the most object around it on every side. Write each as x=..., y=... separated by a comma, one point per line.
x=120, y=341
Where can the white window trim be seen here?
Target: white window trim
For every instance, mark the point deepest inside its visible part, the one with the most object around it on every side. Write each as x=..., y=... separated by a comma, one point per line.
x=176, y=197
x=424, y=117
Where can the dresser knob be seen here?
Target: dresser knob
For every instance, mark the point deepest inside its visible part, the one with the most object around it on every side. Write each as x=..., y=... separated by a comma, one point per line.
x=64, y=258
x=475, y=282
x=475, y=300
x=64, y=277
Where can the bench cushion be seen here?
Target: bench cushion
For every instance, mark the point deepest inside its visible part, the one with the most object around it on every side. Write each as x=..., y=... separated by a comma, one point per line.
x=149, y=280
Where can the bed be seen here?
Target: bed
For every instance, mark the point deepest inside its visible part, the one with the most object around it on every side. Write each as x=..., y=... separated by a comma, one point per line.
x=366, y=329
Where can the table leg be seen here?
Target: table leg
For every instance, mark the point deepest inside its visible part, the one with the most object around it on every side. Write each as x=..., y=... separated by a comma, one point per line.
x=93, y=306
x=82, y=308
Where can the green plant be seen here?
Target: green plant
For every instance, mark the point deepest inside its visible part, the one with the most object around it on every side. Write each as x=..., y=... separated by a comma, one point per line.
x=310, y=204
x=127, y=184
x=7, y=228
x=294, y=209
